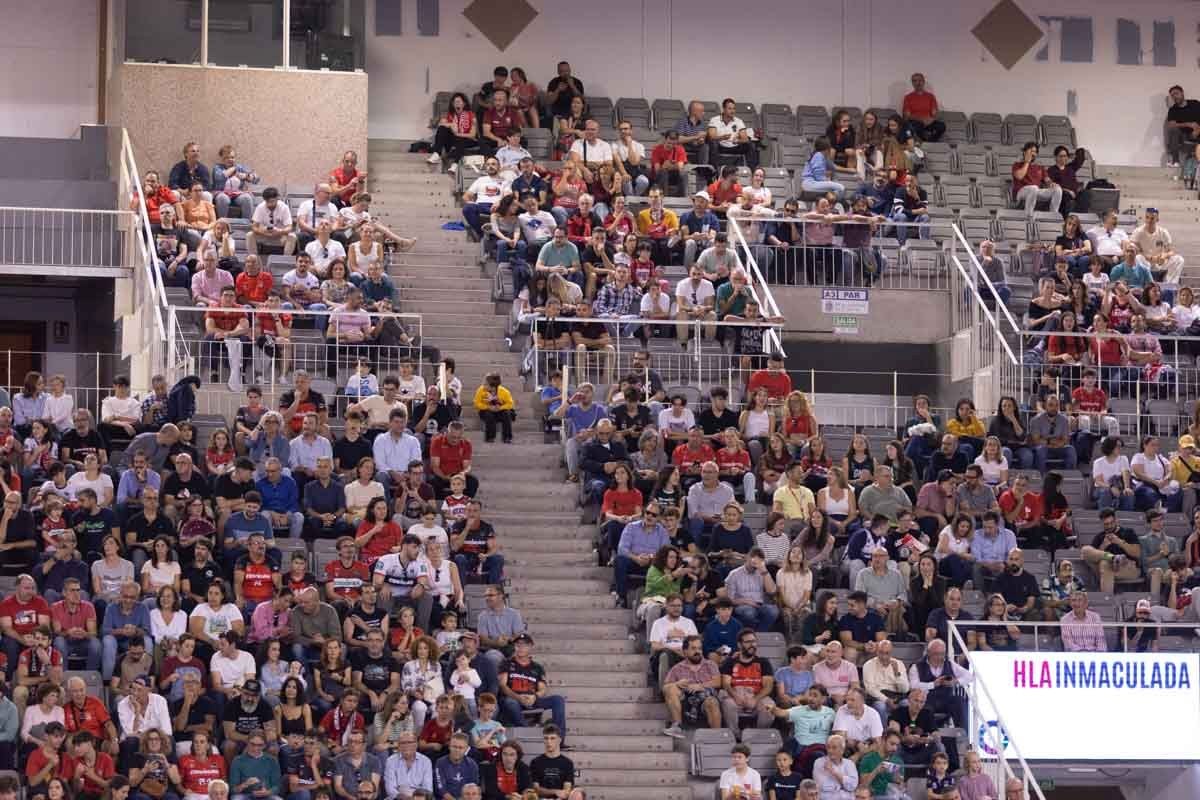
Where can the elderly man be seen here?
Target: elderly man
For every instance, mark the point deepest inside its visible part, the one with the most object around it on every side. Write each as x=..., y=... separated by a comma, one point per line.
x=706, y=503
x=306, y=449
x=886, y=590
x=1081, y=628
x=751, y=590
x=316, y=210
x=836, y=775
x=407, y=770
x=124, y=621
x=141, y=711
x=600, y=458
x=883, y=496
x=280, y=499
x=21, y=614
x=885, y=680
x=313, y=623
x=834, y=673
x=857, y=721
x=941, y=679
x=640, y=540
x=85, y=713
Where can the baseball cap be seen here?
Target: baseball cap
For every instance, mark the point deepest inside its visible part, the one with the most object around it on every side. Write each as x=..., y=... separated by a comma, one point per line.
x=1143, y=604
x=523, y=637
x=1187, y=440
x=702, y=193
x=252, y=686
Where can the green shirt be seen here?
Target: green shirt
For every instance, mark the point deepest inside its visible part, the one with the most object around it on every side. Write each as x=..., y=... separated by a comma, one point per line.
x=659, y=584
x=738, y=309
x=1152, y=546
x=883, y=778
x=809, y=726
x=551, y=255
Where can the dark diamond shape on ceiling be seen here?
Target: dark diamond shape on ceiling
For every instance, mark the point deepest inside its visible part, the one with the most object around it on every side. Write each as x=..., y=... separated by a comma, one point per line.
x=501, y=21
x=1008, y=33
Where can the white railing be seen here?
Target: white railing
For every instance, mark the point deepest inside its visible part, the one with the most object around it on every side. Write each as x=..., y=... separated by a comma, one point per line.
x=999, y=768
x=760, y=289
x=65, y=237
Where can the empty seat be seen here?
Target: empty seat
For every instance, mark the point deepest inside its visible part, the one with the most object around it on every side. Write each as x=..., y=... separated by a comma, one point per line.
x=953, y=192
x=539, y=142
x=941, y=219
x=1020, y=128
x=778, y=120
x=987, y=128
x=1047, y=226
x=958, y=127
x=667, y=112
x=792, y=153
x=1165, y=416
x=976, y=224
x=773, y=647
x=922, y=256
x=991, y=193
x=1003, y=159
x=1056, y=130
x=972, y=160
x=1013, y=225
x=601, y=108
x=939, y=158
x=710, y=751
x=811, y=121
x=779, y=181
x=634, y=110
x=764, y=743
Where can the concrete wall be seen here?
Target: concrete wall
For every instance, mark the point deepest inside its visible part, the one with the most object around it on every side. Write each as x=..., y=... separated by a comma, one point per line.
x=289, y=126
x=896, y=316
x=856, y=52
x=49, y=52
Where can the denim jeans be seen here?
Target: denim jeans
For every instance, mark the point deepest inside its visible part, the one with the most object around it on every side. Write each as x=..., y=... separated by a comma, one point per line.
x=88, y=648
x=904, y=231
x=493, y=565
x=761, y=618
x=821, y=187
x=1042, y=455
x=511, y=711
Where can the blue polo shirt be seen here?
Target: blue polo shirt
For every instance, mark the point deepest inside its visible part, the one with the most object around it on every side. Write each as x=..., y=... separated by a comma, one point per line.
x=864, y=629
x=239, y=528
x=279, y=497
x=695, y=224
x=324, y=499
x=717, y=635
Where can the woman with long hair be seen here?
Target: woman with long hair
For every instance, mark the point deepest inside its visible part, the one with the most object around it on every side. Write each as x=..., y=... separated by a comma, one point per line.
x=756, y=423
x=405, y=633
x=152, y=770
x=997, y=637
x=336, y=286
x=842, y=139
x=858, y=464
x=815, y=463
x=392, y=722
x=666, y=573
x=1057, y=524
x=817, y=539
x=821, y=626
x=523, y=96
x=954, y=543
x=445, y=584
x=926, y=591
x=219, y=455
x=773, y=466
x=569, y=128
x=292, y=713
x=457, y=132
x=507, y=777
x=837, y=501
x=621, y=505
x=994, y=465
x=1009, y=427
x=506, y=230
x=794, y=582
x=668, y=491
x=377, y=535
x=921, y=433
x=967, y=426
x=29, y=403
x=1074, y=247
x=273, y=670
x=421, y=678
x=904, y=472
x=161, y=569
x=799, y=423
x=1112, y=481
x=167, y=619
x=331, y=677
x=869, y=140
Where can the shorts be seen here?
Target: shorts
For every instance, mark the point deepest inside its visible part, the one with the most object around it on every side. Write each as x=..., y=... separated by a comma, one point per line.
x=693, y=705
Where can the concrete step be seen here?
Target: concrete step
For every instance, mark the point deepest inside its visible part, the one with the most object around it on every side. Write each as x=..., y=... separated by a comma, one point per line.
x=461, y=269
x=1120, y=171
x=530, y=600
x=554, y=663
x=598, y=630
x=603, y=694
x=445, y=308
x=531, y=490
x=600, y=680
x=634, y=761
x=620, y=711
x=581, y=616
x=591, y=586
x=538, y=535
x=537, y=572
x=648, y=780
x=621, y=744
x=443, y=283
x=589, y=646
x=544, y=518
x=584, y=726
x=600, y=792
x=533, y=554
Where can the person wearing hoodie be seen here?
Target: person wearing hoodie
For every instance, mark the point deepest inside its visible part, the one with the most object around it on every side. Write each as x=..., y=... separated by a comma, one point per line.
x=181, y=400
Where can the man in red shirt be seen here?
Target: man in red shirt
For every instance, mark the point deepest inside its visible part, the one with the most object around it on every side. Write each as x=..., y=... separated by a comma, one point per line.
x=345, y=576
x=22, y=613
x=1022, y=508
x=497, y=122
x=920, y=111
x=73, y=621
x=774, y=379
x=345, y=181
x=255, y=577
x=86, y=714
x=450, y=454
x=156, y=196
x=1089, y=404
x=253, y=283
x=725, y=190
x=1031, y=184
x=692, y=455
x=37, y=666
x=667, y=160
x=227, y=327
x=90, y=769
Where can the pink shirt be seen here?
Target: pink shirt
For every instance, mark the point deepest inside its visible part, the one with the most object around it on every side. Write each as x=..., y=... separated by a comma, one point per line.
x=263, y=622
x=206, y=288
x=346, y=321
x=836, y=680
x=1083, y=635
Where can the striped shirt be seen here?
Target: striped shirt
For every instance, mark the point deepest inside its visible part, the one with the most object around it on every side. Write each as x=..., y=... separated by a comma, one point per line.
x=1083, y=635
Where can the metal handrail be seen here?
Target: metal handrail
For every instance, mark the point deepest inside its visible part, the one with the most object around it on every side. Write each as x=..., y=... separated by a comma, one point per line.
x=766, y=301
x=987, y=281
x=979, y=304
x=147, y=236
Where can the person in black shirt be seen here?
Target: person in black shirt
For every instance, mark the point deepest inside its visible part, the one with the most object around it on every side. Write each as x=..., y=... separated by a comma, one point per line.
x=430, y=416
x=631, y=418
x=1115, y=552
x=715, y=419
x=914, y=722
x=186, y=482
x=1182, y=127
x=141, y=531
x=201, y=710
x=553, y=332
x=699, y=590
x=655, y=392
x=561, y=89
x=1020, y=589
x=552, y=771
x=351, y=448
x=18, y=534
x=82, y=440
x=299, y=772
x=232, y=487
x=521, y=680
x=784, y=786
x=92, y=523
x=244, y=715
x=185, y=445
x=375, y=674
x=198, y=575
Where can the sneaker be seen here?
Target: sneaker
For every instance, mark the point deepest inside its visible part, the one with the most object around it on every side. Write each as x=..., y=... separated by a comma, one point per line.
x=674, y=731
x=452, y=169
x=434, y=158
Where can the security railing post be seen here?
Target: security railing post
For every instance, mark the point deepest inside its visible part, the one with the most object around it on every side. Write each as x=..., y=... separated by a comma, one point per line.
x=1138, y=394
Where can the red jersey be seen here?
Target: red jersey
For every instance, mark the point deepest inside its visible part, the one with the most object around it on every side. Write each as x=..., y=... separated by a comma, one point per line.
x=103, y=767
x=299, y=584
x=35, y=665
x=665, y=152
x=919, y=105
x=345, y=178
x=451, y=457
x=254, y=288
x=1106, y=352
x=802, y=426
x=622, y=504
x=269, y=323
x=685, y=458
x=461, y=123
x=91, y=718
x=66, y=620
x=336, y=724
x=433, y=731
x=777, y=384
x=722, y=196
x=155, y=202
x=501, y=123
x=381, y=543
x=347, y=581
x=226, y=320
x=37, y=762
x=1090, y=402
x=258, y=583
x=24, y=615
x=1031, y=506
x=1033, y=176
x=727, y=458
x=198, y=775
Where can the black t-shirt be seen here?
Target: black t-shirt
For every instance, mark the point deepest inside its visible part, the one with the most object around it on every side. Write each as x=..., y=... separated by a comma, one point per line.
x=248, y=419
x=347, y=454
x=154, y=766
x=372, y=619
x=786, y=786
x=522, y=678
x=1069, y=242
x=552, y=773
x=588, y=254
x=1037, y=311
x=1188, y=112
x=712, y=423
x=474, y=542
x=1126, y=535
x=229, y=489
x=302, y=769
x=862, y=629
x=20, y=529
x=177, y=449
x=376, y=672
x=921, y=725
x=747, y=674
x=245, y=721
x=562, y=106
x=146, y=531
x=625, y=421
x=203, y=707
x=436, y=423
x=1017, y=588
x=177, y=487
x=92, y=528
x=81, y=446
x=552, y=329
x=200, y=578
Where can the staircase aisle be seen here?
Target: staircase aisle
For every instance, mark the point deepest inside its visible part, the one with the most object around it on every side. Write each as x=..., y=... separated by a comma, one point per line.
x=1178, y=206
x=614, y=721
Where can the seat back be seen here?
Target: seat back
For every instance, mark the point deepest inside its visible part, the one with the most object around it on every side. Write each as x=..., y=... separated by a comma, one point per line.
x=1047, y=226
x=958, y=127
x=666, y=113
x=811, y=121
x=1014, y=225
x=953, y=192
x=972, y=160
x=93, y=680
x=539, y=142
x=922, y=256
x=773, y=647
x=987, y=128
x=1020, y=128
x=939, y=158
x=991, y=193
x=635, y=110
x=764, y=743
x=793, y=152
x=710, y=751
x=600, y=108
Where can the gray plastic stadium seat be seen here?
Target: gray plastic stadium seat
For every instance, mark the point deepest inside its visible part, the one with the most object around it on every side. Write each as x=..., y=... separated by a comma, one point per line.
x=941, y=219
x=793, y=152
x=779, y=181
x=811, y=121
x=958, y=127
x=635, y=110
x=1020, y=128
x=601, y=108
x=778, y=120
x=1057, y=130
x=987, y=128
x=1047, y=226
x=538, y=142
x=710, y=751
x=971, y=160
x=764, y=743
x=749, y=114
x=1165, y=416
x=666, y=113
x=992, y=193
x=882, y=114
x=953, y=192
x=939, y=158
x=773, y=647
x=1013, y=224
x=1003, y=157
x=922, y=256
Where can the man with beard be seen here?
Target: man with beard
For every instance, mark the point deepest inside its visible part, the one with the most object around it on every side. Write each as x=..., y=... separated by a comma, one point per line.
x=746, y=683
x=691, y=689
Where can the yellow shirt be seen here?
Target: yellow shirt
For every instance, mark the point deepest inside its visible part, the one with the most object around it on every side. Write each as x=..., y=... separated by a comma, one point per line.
x=794, y=503
x=975, y=429
x=1179, y=468
x=670, y=222
x=482, y=396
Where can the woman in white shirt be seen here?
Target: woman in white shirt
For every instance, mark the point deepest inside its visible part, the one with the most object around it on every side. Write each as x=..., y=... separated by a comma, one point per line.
x=48, y=709
x=219, y=240
x=161, y=570
x=1152, y=482
x=92, y=478
x=324, y=250
x=167, y=620
x=759, y=194
x=361, y=491
x=1185, y=313
x=1159, y=318
x=211, y=619
x=445, y=584
x=993, y=463
x=364, y=252
x=1112, y=480
x=757, y=422
x=60, y=406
